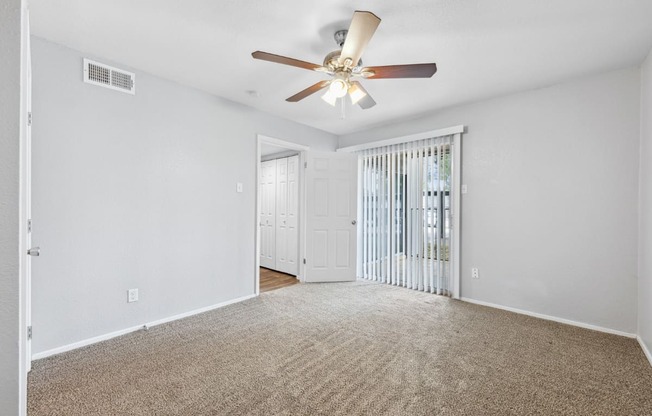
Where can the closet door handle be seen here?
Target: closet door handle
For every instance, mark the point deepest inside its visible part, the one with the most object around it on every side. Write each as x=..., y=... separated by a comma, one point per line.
x=354, y=222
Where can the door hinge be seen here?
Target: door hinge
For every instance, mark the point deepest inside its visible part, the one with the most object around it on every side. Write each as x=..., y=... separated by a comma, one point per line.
x=305, y=165
x=304, y=261
x=29, y=226
x=29, y=118
x=29, y=332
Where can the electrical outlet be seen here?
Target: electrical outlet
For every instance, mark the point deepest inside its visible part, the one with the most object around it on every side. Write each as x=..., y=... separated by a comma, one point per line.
x=475, y=273
x=132, y=295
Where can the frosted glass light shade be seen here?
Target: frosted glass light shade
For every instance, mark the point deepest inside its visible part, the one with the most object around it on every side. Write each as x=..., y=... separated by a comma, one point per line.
x=329, y=97
x=338, y=88
x=356, y=93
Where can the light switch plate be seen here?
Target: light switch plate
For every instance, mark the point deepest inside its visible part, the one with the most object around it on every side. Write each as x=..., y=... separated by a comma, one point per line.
x=464, y=190
x=238, y=187
x=132, y=295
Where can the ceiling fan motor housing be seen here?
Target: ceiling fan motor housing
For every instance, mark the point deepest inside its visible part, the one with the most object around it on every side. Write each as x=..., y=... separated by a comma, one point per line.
x=340, y=37
x=331, y=60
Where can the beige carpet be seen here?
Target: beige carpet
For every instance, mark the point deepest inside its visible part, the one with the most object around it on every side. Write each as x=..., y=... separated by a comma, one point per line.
x=347, y=349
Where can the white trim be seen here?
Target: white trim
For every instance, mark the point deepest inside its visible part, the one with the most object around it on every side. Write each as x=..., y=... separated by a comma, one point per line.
x=114, y=334
x=282, y=143
x=550, y=318
x=257, y=217
x=456, y=173
x=83, y=343
x=260, y=139
x=646, y=351
x=404, y=139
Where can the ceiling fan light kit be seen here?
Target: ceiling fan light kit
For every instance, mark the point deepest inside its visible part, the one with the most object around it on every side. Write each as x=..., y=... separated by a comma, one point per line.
x=339, y=86
x=356, y=94
x=345, y=65
x=329, y=97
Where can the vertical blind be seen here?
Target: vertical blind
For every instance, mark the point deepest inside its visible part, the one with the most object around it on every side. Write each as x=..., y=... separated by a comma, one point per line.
x=406, y=214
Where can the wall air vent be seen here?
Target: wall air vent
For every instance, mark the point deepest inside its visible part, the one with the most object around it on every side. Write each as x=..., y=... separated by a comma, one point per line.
x=109, y=77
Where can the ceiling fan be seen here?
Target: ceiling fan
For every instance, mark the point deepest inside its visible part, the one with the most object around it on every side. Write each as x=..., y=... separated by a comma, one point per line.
x=344, y=65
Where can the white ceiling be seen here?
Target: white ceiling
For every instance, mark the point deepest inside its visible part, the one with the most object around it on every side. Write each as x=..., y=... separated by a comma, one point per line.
x=483, y=48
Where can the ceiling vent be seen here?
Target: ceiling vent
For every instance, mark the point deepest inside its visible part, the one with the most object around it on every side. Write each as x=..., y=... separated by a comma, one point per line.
x=109, y=77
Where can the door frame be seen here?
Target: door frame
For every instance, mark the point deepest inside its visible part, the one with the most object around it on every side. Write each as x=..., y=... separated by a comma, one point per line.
x=456, y=190
x=260, y=139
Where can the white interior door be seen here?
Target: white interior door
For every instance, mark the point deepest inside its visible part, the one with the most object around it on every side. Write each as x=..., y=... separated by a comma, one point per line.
x=281, y=213
x=267, y=214
x=331, y=205
x=27, y=189
x=287, y=207
x=292, y=264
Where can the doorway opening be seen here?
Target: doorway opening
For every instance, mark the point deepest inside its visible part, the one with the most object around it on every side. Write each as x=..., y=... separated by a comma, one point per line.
x=279, y=194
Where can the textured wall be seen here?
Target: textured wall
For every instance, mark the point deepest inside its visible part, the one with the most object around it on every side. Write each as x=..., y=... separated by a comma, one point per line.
x=10, y=57
x=550, y=217
x=139, y=192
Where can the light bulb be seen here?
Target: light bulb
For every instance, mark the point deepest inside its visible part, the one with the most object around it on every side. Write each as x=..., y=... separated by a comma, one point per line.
x=356, y=93
x=329, y=97
x=338, y=87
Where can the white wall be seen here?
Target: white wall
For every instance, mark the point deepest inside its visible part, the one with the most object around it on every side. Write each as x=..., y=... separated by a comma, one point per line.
x=10, y=93
x=550, y=217
x=645, y=210
x=139, y=192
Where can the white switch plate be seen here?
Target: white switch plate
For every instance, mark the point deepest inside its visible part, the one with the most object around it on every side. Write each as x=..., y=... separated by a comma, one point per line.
x=238, y=187
x=464, y=190
x=475, y=273
x=132, y=295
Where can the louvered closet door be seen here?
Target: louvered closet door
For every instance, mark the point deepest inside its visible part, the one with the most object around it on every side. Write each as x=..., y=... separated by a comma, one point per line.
x=268, y=214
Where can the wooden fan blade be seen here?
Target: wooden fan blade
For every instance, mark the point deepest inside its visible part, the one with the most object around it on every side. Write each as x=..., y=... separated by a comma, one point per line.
x=362, y=28
x=401, y=71
x=366, y=101
x=265, y=56
x=308, y=91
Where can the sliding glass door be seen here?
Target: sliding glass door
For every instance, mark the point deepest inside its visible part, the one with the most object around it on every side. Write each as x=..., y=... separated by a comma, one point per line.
x=406, y=214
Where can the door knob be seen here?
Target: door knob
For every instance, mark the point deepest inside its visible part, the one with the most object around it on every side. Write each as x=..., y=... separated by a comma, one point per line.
x=354, y=222
x=36, y=251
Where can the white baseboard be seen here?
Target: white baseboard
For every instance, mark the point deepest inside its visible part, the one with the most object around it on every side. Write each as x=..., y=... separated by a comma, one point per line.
x=200, y=310
x=114, y=334
x=83, y=343
x=551, y=318
x=645, y=349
